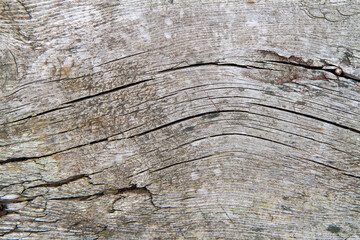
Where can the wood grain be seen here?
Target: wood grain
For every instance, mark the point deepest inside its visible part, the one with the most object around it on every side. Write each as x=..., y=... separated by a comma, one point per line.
x=179, y=119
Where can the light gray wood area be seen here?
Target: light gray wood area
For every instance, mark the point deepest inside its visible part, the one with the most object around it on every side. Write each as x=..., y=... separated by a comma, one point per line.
x=179, y=119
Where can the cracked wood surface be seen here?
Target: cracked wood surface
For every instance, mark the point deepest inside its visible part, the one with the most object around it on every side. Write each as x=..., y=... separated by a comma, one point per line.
x=179, y=119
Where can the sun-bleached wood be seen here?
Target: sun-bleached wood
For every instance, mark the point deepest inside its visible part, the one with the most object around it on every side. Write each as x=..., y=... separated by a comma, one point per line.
x=179, y=119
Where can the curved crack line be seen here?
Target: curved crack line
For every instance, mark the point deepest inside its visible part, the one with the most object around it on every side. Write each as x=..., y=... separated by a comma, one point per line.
x=332, y=146
x=342, y=171
x=17, y=200
x=108, y=91
x=201, y=89
x=319, y=68
x=37, y=138
x=288, y=62
x=222, y=153
x=220, y=135
x=310, y=15
x=322, y=106
x=132, y=188
x=199, y=64
x=67, y=104
x=260, y=127
x=310, y=116
x=22, y=159
x=61, y=182
x=246, y=135
x=37, y=114
x=122, y=58
x=178, y=163
x=210, y=114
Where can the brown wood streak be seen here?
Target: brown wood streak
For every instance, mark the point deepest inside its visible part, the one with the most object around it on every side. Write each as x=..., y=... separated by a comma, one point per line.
x=179, y=120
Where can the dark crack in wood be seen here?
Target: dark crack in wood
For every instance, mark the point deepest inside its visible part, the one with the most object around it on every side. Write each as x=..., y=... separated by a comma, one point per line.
x=108, y=91
x=132, y=188
x=22, y=159
x=207, y=114
x=200, y=64
x=37, y=114
x=310, y=116
x=61, y=182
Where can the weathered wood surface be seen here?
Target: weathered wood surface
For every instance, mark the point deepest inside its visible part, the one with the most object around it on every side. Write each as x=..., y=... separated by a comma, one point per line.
x=179, y=119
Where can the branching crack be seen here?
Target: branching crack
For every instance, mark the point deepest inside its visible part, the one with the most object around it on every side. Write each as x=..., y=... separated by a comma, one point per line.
x=132, y=188
x=3, y=204
x=135, y=188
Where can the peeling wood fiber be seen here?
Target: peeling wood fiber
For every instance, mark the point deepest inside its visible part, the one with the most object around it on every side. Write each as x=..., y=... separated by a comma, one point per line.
x=179, y=119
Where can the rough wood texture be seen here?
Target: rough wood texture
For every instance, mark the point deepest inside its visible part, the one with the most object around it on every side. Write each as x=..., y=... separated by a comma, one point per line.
x=179, y=119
